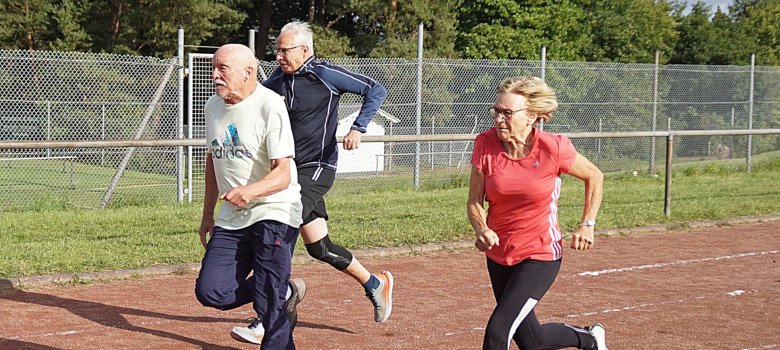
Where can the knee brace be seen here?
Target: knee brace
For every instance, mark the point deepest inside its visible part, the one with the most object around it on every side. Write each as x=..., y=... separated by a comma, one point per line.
x=324, y=250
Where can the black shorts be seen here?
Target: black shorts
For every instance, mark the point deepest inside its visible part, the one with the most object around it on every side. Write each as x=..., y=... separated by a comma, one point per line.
x=315, y=183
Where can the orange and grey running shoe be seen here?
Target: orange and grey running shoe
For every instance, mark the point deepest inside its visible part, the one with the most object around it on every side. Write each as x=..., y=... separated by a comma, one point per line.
x=382, y=297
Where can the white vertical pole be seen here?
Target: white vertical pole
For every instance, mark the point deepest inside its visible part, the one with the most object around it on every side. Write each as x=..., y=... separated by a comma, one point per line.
x=651, y=167
x=102, y=133
x=419, y=104
x=749, y=158
x=732, y=117
x=544, y=62
x=431, y=144
x=598, y=150
x=252, y=41
x=48, y=126
x=190, y=157
x=180, y=131
x=544, y=71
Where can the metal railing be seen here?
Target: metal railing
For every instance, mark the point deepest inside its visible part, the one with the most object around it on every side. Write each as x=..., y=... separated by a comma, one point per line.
x=412, y=176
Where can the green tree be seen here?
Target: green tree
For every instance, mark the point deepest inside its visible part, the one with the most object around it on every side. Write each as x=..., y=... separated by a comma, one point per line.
x=510, y=29
x=24, y=24
x=71, y=36
x=628, y=31
x=149, y=27
x=378, y=28
x=155, y=35
x=729, y=38
x=399, y=35
x=758, y=21
x=706, y=38
x=328, y=43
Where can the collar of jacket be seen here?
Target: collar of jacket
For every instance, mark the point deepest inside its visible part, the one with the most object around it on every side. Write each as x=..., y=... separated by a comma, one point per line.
x=307, y=66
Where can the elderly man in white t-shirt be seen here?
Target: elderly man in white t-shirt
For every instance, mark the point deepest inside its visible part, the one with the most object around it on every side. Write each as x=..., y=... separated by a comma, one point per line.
x=250, y=168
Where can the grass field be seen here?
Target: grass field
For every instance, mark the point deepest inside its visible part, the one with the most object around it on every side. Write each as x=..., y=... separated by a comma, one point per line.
x=45, y=184
x=45, y=240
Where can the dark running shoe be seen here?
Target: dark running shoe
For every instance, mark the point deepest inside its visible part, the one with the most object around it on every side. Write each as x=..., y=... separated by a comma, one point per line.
x=291, y=305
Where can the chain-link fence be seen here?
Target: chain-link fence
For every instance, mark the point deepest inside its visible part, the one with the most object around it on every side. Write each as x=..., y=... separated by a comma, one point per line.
x=455, y=94
x=75, y=96
x=54, y=96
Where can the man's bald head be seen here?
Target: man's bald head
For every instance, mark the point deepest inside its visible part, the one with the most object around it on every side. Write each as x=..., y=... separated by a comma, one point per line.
x=234, y=72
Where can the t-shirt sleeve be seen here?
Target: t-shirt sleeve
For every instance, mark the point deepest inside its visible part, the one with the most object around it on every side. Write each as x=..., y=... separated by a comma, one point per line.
x=566, y=154
x=279, y=138
x=478, y=152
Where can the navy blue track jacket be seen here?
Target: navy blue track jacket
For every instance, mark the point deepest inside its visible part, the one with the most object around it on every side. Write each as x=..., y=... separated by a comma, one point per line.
x=312, y=97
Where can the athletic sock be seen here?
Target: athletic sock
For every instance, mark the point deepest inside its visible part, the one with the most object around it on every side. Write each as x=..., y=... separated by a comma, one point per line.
x=373, y=283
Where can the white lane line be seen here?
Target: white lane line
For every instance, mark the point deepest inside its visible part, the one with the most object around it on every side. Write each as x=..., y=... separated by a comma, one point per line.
x=647, y=305
x=762, y=347
x=130, y=325
x=678, y=262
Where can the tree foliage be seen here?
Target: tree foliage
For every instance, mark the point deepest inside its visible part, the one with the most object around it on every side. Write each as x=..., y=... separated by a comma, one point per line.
x=757, y=21
x=510, y=29
x=572, y=30
x=146, y=27
x=628, y=31
x=24, y=24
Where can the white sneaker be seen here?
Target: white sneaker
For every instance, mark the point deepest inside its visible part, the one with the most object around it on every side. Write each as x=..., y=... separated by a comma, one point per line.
x=254, y=332
x=250, y=334
x=599, y=334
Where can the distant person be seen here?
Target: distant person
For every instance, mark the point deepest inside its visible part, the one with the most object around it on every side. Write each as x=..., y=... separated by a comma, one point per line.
x=516, y=169
x=311, y=88
x=250, y=167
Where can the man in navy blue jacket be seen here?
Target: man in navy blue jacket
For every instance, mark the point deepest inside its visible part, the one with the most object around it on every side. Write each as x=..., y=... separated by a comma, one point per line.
x=311, y=88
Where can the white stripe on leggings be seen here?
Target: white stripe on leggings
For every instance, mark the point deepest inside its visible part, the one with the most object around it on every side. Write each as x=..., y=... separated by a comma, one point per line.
x=529, y=305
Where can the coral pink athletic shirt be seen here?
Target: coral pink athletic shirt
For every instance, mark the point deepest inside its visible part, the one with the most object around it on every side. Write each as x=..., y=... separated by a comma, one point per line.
x=522, y=194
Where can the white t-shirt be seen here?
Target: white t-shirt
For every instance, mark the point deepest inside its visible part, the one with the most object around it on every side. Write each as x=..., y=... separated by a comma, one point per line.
x=242, y=140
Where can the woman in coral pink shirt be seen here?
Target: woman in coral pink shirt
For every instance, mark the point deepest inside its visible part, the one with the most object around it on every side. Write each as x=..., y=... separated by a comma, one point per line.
x=516, y=168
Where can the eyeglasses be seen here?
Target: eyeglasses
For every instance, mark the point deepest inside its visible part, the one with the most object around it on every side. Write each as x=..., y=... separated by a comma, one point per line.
x=284, y=50
x=504, y=113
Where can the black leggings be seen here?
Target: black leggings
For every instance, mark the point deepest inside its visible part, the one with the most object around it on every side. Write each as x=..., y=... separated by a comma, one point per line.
x=517, y=289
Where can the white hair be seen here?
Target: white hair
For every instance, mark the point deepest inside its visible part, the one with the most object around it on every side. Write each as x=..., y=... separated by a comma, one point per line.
x=303, y=34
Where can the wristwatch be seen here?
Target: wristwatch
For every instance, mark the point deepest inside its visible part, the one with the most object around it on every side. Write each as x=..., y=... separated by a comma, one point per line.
x=590, y=223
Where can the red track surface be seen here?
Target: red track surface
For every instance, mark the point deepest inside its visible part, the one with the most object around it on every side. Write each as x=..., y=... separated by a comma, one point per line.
x=716, y=288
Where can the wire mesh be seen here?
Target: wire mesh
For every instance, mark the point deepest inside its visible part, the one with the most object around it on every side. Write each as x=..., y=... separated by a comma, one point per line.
x=80, y=96
x=55, y=96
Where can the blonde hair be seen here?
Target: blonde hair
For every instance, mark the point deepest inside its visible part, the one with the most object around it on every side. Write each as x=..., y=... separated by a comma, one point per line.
x=540, y=98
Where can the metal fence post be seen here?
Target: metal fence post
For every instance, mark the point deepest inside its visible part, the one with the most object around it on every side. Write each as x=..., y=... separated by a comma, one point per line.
x=48, y=126
x=749, y=156
x=102, y=133
x=180, y=122
x=252, y=41
x=544, y=71
x=598, y=145
x=668, y=182
x=431, y=145
x=419, y=104
x=543, y=62
x=651, y=166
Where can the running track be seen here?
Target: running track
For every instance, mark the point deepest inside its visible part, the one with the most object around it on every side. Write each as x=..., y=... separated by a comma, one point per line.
x=715, y=288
